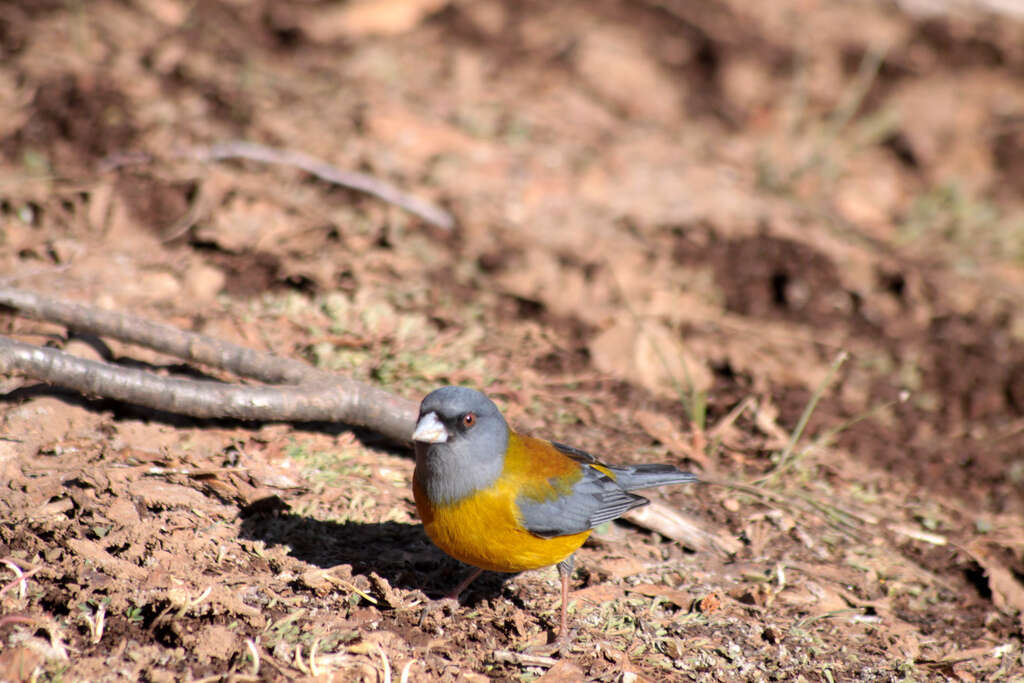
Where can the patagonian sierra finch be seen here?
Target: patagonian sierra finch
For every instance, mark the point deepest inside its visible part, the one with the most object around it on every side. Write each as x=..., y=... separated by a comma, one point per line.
x=505, y=502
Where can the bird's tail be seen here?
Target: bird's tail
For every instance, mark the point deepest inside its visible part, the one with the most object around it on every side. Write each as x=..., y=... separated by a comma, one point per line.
x=632, y=477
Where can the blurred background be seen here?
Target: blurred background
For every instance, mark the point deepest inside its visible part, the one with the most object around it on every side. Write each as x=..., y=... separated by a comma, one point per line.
x=673, y=220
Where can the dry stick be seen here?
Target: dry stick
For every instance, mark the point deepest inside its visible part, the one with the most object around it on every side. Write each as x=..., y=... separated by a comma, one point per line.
x=188, y=346
x=524, y=659
x=341, y=400
x=240, y=149
x=352, y=180
x=322, y=395
x=672, y=523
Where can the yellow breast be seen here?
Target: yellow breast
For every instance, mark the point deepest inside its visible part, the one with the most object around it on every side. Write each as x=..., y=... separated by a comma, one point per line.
x=483, y=529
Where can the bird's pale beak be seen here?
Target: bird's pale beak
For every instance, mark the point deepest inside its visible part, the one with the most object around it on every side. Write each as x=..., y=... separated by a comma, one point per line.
x=430, y=429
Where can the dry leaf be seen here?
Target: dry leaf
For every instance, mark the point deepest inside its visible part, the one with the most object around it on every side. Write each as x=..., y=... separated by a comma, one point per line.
x=1007, y=591
x=562, y=672
x=598, y=594
x=677, y=597
x=709, y=603
x=621, y=567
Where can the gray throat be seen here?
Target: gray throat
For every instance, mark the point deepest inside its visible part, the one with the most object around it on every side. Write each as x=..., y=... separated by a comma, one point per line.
x=450, y=472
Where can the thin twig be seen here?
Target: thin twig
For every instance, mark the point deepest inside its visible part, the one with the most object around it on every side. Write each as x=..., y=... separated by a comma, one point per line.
x=338, y=581
x=352, y=180
x=523, y=659
x=385, y=191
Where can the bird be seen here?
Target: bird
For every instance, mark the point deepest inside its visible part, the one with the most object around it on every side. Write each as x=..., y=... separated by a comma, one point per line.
x=502, y=501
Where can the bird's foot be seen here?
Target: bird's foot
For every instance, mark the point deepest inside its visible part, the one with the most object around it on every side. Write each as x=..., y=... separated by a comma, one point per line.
x=446, y=604
x=560, y=646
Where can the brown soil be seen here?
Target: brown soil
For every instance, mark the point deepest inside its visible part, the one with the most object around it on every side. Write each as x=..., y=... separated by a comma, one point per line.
x=658, y=203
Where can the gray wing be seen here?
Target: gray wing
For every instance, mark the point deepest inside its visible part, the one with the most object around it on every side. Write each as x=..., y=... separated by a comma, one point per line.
x=595, y=499
x=576, y=454
x=632, y=477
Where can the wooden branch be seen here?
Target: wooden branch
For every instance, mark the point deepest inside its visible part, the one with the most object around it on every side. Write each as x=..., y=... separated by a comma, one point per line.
x=341, y=400
x=189, y=346
x=352, y=180
x=309, y=394
x=361, y=182
x=672, y=523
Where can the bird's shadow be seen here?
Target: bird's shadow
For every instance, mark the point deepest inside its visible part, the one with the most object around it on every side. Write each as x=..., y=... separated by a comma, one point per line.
x=399, y=552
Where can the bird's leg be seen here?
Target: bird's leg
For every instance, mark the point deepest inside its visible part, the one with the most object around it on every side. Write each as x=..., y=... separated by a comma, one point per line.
x=452, y=596
x=564, y=639
x=457, y=591
x=565, y=573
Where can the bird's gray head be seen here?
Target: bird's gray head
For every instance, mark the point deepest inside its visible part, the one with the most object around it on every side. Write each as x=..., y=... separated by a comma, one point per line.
x=460, y=441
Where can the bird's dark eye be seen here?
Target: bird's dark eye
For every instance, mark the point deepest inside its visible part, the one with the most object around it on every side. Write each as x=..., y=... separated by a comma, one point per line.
x=469, y=419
